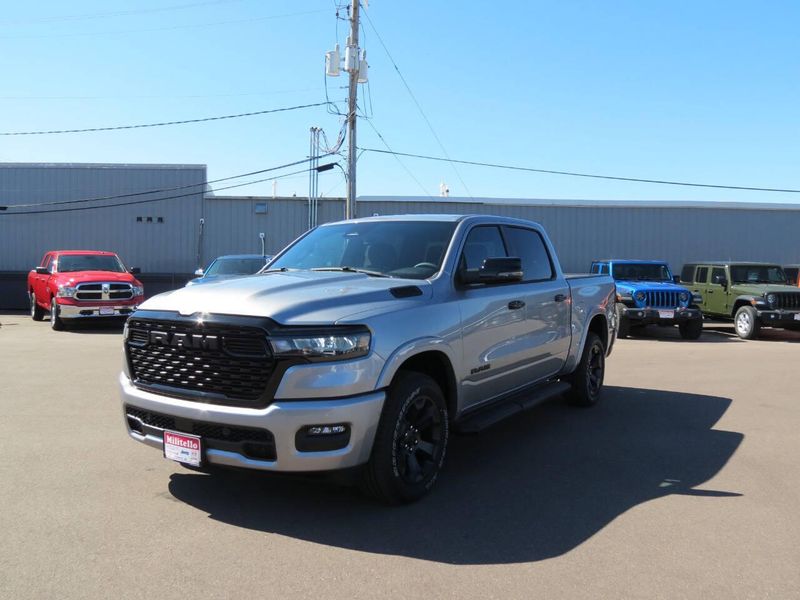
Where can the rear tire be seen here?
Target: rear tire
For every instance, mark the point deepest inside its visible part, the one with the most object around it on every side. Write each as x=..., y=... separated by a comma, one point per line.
x=746, y=323
x=56, y=324
x=623, y=324
x=691, y=330
x=587, y=380
x=410, y=443
x=37, y=312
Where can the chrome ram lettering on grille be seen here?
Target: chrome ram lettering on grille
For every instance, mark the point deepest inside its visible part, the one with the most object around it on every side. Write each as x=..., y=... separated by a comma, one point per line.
x=184, y=340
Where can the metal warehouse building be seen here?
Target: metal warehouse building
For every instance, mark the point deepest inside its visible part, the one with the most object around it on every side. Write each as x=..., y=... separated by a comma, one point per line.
x=163, y=219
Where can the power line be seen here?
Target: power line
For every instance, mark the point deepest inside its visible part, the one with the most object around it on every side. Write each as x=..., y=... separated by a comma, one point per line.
x=171, y=189
x=416, y=102
x=169, y=28
x=589, y=175
x=402, y=164
x=118, y=13
x=63, y=210
x=163, y=124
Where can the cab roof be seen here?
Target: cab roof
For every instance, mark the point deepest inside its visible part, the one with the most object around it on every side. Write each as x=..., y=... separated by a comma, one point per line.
x=630, y=261
x=95, y=252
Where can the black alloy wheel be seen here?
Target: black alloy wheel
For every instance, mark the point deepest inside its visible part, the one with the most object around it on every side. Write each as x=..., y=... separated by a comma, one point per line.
x=587, y=380
x=418, y=442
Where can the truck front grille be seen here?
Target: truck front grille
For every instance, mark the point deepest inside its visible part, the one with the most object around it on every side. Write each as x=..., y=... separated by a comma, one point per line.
x=662, y=299
x=248, y=441
x=208, y=363
x=103, y=291
x=788, y=301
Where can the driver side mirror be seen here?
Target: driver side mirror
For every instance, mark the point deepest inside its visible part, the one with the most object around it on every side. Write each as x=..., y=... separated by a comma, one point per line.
x=134, y=270
x=42, y=271
x=720, y=280
x=198, y=273
x=494, y=270
x=676, y=279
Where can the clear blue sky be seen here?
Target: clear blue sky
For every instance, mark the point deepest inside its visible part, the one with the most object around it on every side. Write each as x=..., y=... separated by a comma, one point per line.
x=696, y=91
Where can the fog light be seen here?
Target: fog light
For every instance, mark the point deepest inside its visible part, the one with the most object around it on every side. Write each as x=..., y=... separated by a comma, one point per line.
x=319, y=438
x=326, y=429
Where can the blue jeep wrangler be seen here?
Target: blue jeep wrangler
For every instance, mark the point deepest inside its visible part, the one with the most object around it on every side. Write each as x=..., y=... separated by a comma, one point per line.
x=648, y=295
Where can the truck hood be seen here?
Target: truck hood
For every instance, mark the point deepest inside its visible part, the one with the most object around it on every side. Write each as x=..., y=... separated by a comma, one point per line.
x=74, y=277
x=658, y=286
x=760, y=289
x=292, y=298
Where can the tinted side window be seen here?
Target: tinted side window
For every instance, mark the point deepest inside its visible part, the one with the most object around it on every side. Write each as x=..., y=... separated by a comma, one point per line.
x=702, y=275
x=687, y=273
x=595, y=268
x=49, y=262
x=604, y=269
x=482, y=242
x=791, y=275
x=529, y=246
x=717, y=272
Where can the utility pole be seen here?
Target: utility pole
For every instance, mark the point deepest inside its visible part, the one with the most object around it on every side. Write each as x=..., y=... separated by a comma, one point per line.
x=352, y=67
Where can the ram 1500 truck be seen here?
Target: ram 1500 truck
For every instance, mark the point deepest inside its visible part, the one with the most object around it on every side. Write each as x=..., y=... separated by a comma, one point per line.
x=82, y=284
x=363, y=345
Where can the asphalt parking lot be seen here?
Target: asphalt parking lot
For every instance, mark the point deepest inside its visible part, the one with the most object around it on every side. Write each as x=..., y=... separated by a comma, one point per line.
x=683, y=483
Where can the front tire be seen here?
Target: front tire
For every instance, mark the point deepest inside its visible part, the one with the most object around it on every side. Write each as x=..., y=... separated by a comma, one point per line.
x=691, y=330
x=37, y=313
x=587, y=380
x=56, y=324
x=410, y=443
x=746, y=323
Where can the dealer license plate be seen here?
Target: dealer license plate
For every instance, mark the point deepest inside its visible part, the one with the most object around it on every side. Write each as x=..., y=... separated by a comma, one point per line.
x=797, y=317
x=106, y=310
x=183, y=448
x=666, y=314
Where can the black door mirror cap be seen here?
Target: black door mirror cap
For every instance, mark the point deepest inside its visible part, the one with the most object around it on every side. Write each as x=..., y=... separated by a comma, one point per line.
x=134, y=270
x=42, y=271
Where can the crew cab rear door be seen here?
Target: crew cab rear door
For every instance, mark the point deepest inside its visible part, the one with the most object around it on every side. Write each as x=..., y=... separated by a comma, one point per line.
x=516, y=333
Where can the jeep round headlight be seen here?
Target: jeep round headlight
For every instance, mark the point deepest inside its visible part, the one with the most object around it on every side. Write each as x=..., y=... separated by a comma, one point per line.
x=772, y=300
x=331, y=345
x=640, y=296
x=683, y=297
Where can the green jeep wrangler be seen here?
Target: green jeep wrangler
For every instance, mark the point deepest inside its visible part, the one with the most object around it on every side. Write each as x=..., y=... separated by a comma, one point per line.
x=754, y=295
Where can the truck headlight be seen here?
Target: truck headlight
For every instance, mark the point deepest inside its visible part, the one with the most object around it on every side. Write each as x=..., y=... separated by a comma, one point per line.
x=772, y=300
x=332, y=345
x=66, y=291
x=138, y=290
x=640, y=296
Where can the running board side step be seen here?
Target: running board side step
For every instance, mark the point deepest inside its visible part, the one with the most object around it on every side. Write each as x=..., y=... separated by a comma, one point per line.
x=485, y=418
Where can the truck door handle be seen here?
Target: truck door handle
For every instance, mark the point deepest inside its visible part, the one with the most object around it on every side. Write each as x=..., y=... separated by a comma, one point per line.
x=515, y=304
x=560, y=298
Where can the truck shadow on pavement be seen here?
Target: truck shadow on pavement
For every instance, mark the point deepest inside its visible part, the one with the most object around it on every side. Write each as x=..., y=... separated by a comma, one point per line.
x=529, y=489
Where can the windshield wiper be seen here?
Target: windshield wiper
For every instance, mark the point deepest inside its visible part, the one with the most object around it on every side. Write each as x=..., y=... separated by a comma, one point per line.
x=352, y=270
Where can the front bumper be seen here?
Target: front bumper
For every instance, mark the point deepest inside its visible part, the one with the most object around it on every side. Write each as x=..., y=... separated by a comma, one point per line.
x=778, y=318
x=648, y=316
x=82, y=311
x=283, y=419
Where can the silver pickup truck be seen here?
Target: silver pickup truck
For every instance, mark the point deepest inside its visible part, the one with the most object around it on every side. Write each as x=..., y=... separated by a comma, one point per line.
x=362, y=345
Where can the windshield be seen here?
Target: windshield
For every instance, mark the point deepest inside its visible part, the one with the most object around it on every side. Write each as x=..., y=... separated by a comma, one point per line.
x=409, y=249
x=642, y=272
x=236, y=266
x=758, y=274
x=89, y=262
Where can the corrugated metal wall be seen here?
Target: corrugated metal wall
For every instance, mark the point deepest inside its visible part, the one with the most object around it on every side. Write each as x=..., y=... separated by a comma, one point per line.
x=170, y=246
x=677, y=234
x=232, y=224
x=580, y=231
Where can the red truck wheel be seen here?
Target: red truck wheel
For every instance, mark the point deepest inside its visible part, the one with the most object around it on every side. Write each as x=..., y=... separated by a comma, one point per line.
x=55, y=321
x=37, y=313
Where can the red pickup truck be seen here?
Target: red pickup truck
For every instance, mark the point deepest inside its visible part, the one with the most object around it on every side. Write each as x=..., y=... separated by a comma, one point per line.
x=82, y=284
